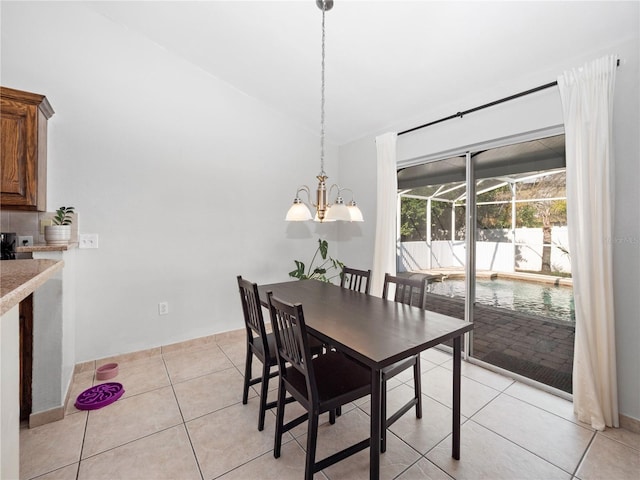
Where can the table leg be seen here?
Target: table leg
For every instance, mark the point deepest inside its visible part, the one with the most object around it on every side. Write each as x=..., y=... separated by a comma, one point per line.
x=455, y=443
x=376, y=424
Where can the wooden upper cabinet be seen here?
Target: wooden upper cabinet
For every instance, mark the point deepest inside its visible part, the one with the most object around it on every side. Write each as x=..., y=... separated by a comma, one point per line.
x=23, y=132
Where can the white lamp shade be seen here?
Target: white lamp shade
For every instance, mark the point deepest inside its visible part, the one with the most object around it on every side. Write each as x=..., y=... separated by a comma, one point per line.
x=338, y=211
x=298, y=212
x=355, y=213
x=326, y=220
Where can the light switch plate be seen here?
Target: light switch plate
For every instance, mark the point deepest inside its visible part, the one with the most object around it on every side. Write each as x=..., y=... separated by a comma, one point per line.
x=88, y=240
x=45, y=223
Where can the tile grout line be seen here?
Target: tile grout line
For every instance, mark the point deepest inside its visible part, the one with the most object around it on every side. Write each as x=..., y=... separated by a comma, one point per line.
x=577, y=423
x=521, y=446
x=584, y=455
x=84, y=434
x=184, y=423
x=637, y=449
x=407, y=383
x=508, y=439
x=420, y=455
x=203, y=415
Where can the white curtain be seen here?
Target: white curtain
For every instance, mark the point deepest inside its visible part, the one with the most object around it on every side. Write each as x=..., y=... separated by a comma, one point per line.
x=587, y=101
x=384, y=253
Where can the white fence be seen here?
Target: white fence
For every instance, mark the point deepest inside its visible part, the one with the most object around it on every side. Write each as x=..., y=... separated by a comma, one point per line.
x=494, y=251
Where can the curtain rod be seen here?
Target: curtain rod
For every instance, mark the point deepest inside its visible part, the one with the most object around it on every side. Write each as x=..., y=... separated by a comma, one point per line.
x=486, y=105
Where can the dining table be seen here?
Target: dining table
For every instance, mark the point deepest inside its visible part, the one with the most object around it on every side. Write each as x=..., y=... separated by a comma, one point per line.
x=377, y=333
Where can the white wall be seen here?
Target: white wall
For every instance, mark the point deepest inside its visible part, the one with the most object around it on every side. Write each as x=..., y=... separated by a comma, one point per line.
x=54, y=329
x=185, y=179
x=153, y=152
x=9, y=397
x=358, y=172
x=538, y=111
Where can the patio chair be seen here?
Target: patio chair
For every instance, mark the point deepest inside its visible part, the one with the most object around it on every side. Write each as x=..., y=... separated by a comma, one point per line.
x=409, y=291
x=320, y=384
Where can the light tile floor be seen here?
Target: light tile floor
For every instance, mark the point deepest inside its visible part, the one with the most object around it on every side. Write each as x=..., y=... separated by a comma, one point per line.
x=182, y=418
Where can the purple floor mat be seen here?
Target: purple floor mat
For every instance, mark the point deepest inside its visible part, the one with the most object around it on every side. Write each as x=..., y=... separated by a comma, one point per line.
x=99, y=396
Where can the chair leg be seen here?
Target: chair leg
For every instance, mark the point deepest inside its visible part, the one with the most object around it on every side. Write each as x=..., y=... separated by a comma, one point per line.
x=264, y=389
x=312, y=440
x=247, y=375
x=383, y=415
x=332, y=417
x=279, y=419
x=417, y=386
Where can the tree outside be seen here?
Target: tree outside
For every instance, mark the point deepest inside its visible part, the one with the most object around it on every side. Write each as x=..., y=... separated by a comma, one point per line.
x=540, y=204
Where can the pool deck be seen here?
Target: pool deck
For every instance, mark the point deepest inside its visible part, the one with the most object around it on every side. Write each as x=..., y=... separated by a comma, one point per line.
x=529, y=345
x=437, y=274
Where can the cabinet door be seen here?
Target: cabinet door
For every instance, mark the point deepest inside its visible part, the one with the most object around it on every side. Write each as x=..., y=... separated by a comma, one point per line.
x=18, y=163
x=23, y=150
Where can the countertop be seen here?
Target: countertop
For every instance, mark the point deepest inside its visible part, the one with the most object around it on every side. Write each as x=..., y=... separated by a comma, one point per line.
x=20, y=278
x=46, y=248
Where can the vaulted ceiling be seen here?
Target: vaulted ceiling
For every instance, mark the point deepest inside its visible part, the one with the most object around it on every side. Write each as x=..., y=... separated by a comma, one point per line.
x=386, y=61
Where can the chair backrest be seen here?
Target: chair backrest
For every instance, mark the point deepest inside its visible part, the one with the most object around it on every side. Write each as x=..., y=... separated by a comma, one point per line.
x=354, y=279
x=252, y=310
x=408, y=290
x=292, y=345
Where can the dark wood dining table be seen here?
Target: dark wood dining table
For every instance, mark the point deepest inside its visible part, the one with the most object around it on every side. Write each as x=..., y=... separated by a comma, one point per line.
x=377, y=333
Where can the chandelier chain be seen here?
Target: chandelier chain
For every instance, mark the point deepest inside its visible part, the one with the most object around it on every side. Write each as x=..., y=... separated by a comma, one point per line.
x=325, y=209
x=322, y=97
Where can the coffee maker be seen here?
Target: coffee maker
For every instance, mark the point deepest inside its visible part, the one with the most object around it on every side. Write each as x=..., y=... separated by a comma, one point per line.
x=8, y=246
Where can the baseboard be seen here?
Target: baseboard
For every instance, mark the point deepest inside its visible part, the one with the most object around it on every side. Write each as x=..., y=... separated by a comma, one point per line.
x=41, y=418
x=52, y=415
x=629, y=423
x=91, y=365
x=58, y=413
x=48, y=416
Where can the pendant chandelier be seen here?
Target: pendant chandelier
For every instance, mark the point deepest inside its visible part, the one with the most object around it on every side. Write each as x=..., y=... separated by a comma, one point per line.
x=325, y=211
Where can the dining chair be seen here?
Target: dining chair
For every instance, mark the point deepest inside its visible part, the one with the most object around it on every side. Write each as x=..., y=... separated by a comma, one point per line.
x=357, y=280
x=262, y=345
x=319, y=385
x=354, y=279
x=410, y=291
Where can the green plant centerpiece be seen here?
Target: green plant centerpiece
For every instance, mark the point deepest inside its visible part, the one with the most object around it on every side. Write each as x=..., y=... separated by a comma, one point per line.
x=59, y=232
x=327, y=270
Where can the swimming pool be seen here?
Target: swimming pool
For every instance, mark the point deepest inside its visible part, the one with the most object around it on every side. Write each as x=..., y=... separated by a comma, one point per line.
x=545, y=300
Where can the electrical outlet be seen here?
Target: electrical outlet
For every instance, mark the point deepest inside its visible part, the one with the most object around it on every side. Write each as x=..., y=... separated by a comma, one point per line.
x=88, y=240
x=25, y=241
x=163, y=308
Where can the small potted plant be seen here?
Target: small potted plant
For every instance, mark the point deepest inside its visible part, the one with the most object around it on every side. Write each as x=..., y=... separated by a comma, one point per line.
x=59, y=233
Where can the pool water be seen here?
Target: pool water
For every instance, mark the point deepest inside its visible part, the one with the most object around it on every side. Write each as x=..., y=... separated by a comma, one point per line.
x=545, y=300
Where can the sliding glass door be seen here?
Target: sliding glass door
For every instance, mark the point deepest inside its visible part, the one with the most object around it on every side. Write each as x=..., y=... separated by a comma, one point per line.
x=488, y=229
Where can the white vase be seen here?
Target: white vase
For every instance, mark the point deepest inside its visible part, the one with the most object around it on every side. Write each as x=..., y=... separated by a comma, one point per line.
x=57, y=234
